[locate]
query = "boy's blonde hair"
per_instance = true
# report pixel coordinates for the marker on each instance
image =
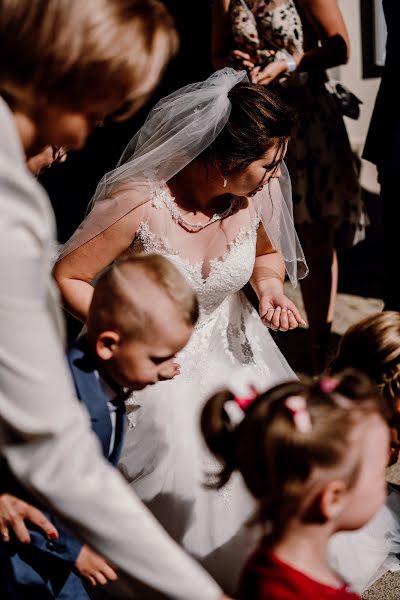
(275, 457)
(117, 302)
(373, 346)
(80, 54)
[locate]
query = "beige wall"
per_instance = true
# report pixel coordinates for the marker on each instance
(365, 89)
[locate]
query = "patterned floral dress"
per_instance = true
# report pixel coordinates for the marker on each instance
(321, 164)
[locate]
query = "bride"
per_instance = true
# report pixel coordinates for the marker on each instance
(202, 183)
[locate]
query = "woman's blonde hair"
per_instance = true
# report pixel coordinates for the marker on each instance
(373, 346)
(277, 458)
(106, 54)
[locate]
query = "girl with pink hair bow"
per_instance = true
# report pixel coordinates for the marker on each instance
(313, 456)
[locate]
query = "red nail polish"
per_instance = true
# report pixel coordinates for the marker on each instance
(53, 535)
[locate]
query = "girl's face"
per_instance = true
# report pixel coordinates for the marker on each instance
(368, 493)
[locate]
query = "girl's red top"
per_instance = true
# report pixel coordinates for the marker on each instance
(266, 577)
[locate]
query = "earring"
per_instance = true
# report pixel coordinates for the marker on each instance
(225, 181)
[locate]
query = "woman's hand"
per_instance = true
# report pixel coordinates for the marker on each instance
(14, 512)
(94, 567)
(241, 60)
(272, 71)
(278, 312)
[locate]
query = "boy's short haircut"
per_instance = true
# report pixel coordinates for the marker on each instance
(116, 303)
(83, 54)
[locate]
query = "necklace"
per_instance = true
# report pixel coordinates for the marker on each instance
(177, 217)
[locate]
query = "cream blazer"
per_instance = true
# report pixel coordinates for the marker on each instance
(44, 431)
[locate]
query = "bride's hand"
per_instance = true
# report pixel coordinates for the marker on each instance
(279, 313)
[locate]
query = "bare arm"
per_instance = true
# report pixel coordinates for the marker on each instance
(334, 49)
(75, 272)
(276, 310)
(327, 20)
(269, 268)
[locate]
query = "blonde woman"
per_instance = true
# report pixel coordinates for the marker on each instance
(65, 64)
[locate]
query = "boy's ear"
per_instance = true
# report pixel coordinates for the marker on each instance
(106, 344)
(332, 499)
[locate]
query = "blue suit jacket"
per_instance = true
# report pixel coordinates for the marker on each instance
(89, 391)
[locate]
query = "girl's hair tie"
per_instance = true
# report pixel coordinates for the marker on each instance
(301, 417)
(236, 408)
(244, 402)
(328, 384)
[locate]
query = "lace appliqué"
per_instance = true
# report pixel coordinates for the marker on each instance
(159, 196)
(162, 195)
(237, 338)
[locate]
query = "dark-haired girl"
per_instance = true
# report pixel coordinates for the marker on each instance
(313, 456)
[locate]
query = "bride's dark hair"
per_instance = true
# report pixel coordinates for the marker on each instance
(258, 121)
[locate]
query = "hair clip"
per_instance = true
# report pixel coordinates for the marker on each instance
(236, 408)
(234, 412)
(244, 402)
(301, 417)
(328, 385)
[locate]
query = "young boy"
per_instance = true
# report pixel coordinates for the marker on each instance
(142, 313)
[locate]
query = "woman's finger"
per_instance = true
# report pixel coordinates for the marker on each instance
(240, 54)
(243, 58)
(100, 578)
(109, 573)
(254, 75)
(275, 321)
(5, 534)
(284, 320)
(20, 530)
(35, 516)
(267, 316)
(293, 323)
(264, 80)
(297, 314)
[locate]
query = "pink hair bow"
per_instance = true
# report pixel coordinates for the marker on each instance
(328, 385)
(301, 416)
(244, 402)
(236, 408)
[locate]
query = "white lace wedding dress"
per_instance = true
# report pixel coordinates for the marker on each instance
(164, 457)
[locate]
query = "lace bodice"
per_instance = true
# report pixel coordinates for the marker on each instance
(225, 273)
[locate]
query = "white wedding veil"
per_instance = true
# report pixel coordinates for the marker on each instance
(176, 131)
